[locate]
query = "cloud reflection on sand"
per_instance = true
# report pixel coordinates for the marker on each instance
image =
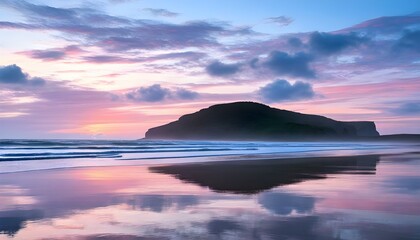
(334, 198)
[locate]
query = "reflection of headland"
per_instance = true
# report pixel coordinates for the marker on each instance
(12, 221)
(253, 176)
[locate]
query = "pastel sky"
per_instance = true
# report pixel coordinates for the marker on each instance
(114, 68)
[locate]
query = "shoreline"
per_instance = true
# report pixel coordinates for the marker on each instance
(31, 157)
(226, 160)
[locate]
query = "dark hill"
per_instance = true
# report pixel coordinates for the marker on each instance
(255, 121)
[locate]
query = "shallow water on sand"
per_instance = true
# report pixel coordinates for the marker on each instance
(352, 197)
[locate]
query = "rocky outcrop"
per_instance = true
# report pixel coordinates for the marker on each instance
(255, 121)
(365, 129)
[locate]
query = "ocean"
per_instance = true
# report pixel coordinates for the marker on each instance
(26, 155)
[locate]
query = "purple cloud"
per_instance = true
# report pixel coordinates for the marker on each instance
(153, 93)
(326, 43)
(157, 93)
(410, 40)
(13, 74)
(184, 94)
(220, 69)
(295, 42)
(296, 65)
(281, 90)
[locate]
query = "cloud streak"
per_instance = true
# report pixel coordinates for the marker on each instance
(385, 25)
(91, 27)
(281, 20)
(53, 54)
(160, 12)
(410, 108)
(47, 55)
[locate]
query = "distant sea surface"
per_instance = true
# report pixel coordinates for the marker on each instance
(137, 190)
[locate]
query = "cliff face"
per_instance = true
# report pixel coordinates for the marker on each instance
(365, 129)
(254, 121)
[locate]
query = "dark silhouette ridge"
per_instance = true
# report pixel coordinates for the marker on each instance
(253, 176)
(255, 121)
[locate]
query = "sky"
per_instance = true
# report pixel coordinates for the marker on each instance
(111, 69)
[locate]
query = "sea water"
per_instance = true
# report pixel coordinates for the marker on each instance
(26, 155)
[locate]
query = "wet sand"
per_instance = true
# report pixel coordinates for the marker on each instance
(350, 197)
